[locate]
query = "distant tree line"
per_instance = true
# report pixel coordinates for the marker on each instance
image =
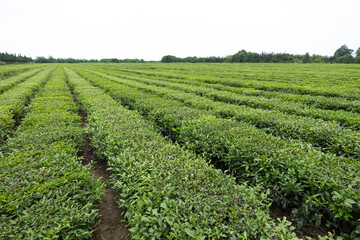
(115, 60)
(341, 55)
(7, 58)
(72, 60)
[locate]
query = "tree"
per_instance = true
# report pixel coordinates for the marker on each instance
(41, 60)
(317, 58)
(347, 58)
(342, 51)
(170, 58)
(190, 59)
(228, 58)
(306, 58)
(12, 58)
(357, 58)
(358, 52)
(241, 56)
(51, 59)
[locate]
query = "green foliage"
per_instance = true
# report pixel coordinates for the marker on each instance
(357, 52)
(51, 59)
(306, 58)
(342, 51)
(8, 83)
(170, 58)
(306, 81)
(344, 55)
(190, 60)
(330, 136)
(325, 83)
(275, 102)
(46, 193)
(13, 58)
(347, 58)
(11, 70)
(357, 57)
(13, 101)
(290, 131)
(250, 57)
(169, 192)
(297, 174)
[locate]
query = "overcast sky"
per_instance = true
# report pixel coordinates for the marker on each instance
(149, 29)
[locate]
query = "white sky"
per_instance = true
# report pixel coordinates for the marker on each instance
(151, 29)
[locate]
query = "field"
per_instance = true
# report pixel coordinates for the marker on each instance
(193, 151)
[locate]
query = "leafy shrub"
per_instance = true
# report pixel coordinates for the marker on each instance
(46, 193)
(169, 192)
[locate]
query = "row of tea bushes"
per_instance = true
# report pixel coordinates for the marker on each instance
(319, 187)
(168, 192)
(12, 70)
(329, 136)
(13, 101)
(338, 82)
(8, 83)
(46, 193)
(298, 175)
(347, 119)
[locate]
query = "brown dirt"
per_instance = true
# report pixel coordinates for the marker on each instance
(307, 230)
(111, 224)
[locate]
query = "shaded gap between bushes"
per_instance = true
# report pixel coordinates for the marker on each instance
(19, 117)
(276, 211)
(111, 224)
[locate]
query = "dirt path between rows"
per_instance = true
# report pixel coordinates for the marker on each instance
(111, 224)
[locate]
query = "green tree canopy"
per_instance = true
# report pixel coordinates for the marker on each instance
(306, 58)
(357, 58)
(170, 58)
(342, 51)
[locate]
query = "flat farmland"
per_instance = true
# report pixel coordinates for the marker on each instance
(192, 151)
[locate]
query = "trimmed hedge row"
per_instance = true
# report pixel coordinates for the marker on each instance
(45, 192)
(322, 80)
(298, 175)
(201, 87)
(329, 136)
(11, 70)
(12, 81)
(321, 187)
(168, 192)
(12, 102)
(163, 112)
(348, 119)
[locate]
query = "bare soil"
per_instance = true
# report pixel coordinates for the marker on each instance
(111, 224)
(307, 230)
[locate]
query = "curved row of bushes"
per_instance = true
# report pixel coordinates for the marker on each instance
(8, 83)
(298, 175)
(13, 101)
(322, 102)
(329, 136)
(11, 70)
(314, 80)
(347, 119)
(168, 192)
(45, 192)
